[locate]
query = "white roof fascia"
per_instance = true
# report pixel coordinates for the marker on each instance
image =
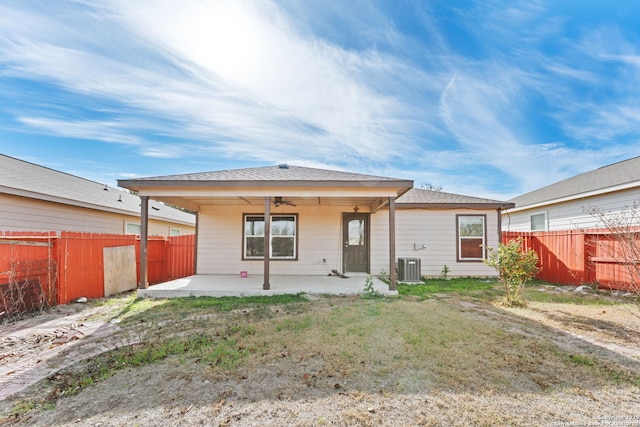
(573, 197)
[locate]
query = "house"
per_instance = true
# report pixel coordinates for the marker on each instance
(291, 220)
(565, 205)
(36, 198)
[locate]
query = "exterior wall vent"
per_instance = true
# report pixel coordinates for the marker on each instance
(409, 269)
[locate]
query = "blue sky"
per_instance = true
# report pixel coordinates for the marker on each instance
(484, 98)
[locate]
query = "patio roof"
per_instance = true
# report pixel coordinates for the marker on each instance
(300, 185)
(261, 187)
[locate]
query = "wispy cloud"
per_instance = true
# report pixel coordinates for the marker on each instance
(236, 69)
(343, 85)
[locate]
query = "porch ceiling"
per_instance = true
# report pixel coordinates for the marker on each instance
(194, 203)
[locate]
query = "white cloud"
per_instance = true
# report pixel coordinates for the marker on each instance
(271, 82)
(97, 130)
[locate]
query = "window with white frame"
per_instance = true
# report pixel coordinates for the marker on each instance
(174, 232)
(539, 222)
(471, 233)
(131, 228)
(283, 243)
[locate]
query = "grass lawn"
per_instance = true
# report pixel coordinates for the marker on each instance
(439, 354)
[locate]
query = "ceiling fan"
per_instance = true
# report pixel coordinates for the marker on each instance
(279, 201)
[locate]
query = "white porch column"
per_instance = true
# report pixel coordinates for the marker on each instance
(392, 245)
(144, 238)
(267, 240)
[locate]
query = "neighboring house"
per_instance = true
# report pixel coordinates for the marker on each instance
(565, 205)
(321, 220)
(35, 198)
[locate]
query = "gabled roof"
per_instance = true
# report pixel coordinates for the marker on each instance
(20, 178)
(618, 176)
(419, 198)
(281, 175)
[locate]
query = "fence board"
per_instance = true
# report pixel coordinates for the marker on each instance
(180, 256)
(74, 262)
(82, 263)
(27, 271)
(575, 257)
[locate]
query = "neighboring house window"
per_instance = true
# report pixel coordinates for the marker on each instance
(174, 232)
(539, 222)
(471, 237)
(131, 228)
(284, 230)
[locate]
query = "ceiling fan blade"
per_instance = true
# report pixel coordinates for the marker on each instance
(278, 200)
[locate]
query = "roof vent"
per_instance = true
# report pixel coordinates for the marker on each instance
(283, 166)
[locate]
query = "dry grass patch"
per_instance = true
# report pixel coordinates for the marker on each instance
(347, 361)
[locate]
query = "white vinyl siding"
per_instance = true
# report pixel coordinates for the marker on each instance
(436, 231)
(220, 246)
(220, 241)
(23, 214)
(571, 215)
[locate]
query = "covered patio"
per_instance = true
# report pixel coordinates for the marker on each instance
(285, 226)
(252, 285)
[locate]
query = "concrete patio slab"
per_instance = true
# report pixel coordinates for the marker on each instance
(228, 285)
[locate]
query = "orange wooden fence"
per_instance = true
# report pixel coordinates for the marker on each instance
(575, 257)
(28, 275)
(65, 267)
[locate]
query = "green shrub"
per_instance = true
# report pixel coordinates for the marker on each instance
(515, 265)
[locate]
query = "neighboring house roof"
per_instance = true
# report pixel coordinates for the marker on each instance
(281, 175)
(618, 176)
(20, 178)
(419, 198)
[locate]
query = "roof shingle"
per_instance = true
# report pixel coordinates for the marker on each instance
(18, 177)
(625, 172)
(268, 173)
(418, 197)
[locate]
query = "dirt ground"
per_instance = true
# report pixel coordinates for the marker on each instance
(296, 391)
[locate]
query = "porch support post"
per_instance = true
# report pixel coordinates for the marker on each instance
(195, 244)
(392, 245)
(144, 238)
(267, 239)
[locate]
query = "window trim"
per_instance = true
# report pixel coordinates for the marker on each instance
(127, 224)
(174, 232)
(545, 226)
(459, 257)
(271, 257)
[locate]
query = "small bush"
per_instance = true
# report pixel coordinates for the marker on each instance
(516, 266)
